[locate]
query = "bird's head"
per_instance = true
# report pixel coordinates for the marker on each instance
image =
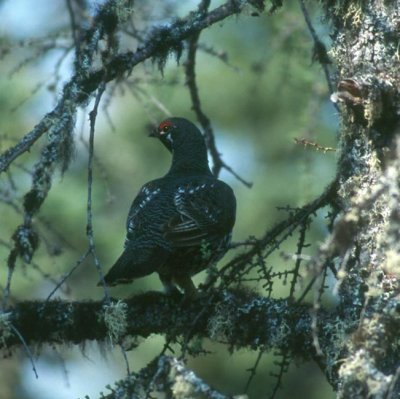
(177, 133)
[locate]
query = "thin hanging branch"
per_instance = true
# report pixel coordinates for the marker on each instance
(26, 349)
(253, 370)
(283, 368)
(89, 225)
(320, 53)
(296, 270)
(69, 274)
(190, 71)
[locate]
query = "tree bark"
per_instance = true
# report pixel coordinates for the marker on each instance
(366, 238)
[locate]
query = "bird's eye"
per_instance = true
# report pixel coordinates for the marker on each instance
(165, 127)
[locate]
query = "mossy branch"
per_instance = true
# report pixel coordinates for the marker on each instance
(168, 376)
(237, 318)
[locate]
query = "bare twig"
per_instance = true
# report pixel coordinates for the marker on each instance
(74, 29)
(283, 368)
(26, 348)
(190, 70)
(242, 263)
(124, 355)
(248, 184)
(300, 246)
(253, 371)
(306, 290)
(319, 49)
(313, 144)
(7, 288)
(68, 275)
(221, 55)
(89, 225)
(315, 309)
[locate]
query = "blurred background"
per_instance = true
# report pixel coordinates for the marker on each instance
(261, 91)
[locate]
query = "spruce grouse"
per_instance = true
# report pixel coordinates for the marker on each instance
(181, 223)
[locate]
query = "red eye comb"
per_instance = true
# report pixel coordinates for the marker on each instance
(164, 124)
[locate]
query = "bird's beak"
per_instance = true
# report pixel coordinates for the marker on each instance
(154, 133)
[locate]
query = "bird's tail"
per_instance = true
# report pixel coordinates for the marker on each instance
(130, 266)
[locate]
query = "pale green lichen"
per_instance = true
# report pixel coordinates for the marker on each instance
(181, 389)
(372, 109)
(122, 11)
(115, 319)
(354, 14)
(5, 328)
(186, 385)
(359, 369)
(221, 322)
(392, 264)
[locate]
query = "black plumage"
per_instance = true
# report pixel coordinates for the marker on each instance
(181, 223)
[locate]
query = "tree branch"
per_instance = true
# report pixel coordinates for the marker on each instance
(236, 318)
(168, 376)
(276, 235)
(159, 44)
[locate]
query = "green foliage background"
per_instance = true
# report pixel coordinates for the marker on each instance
(263, 93)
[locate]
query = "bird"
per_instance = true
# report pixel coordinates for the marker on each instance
(181, 223)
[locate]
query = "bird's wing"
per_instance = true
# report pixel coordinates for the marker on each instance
(142, 253)
(202, 210)
(138, 218)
